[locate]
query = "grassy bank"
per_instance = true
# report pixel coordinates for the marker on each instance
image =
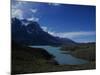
(86, 51)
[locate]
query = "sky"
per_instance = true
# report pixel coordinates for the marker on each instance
(76, 22)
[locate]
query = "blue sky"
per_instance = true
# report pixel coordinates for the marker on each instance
(76, 22)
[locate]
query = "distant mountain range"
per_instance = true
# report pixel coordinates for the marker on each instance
(30, 33)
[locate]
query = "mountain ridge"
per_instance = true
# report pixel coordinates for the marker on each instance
(30, 33)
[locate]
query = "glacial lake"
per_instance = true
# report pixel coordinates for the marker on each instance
(60, 57)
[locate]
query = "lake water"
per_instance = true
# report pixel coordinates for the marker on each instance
(60, 57)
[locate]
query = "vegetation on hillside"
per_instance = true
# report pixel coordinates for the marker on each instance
(85, 51)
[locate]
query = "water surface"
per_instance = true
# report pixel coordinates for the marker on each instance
(60, 57)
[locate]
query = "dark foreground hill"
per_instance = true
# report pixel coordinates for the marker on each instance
(26, 59)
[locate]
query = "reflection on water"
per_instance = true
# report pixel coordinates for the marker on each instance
(60, 57)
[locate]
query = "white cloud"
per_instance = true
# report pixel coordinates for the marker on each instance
(54, 4)
(45, 28)
(53, 33)
(17, 13)
(18, 4)
(74, 34)
(33, 10)
(69, 34)
(33, 19)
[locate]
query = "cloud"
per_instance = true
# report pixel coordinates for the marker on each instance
(53, 33)
(33, 10)
(45, 28)
(20, 10)
(54, 4)
(16, 10)
(33, 19)
(17, 13)
(18, 4)
(72, 34)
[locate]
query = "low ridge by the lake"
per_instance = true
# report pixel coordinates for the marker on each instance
(60, 57)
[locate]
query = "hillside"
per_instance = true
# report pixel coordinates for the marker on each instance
(30, 33)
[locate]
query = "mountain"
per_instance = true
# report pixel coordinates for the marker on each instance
(30, 33)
